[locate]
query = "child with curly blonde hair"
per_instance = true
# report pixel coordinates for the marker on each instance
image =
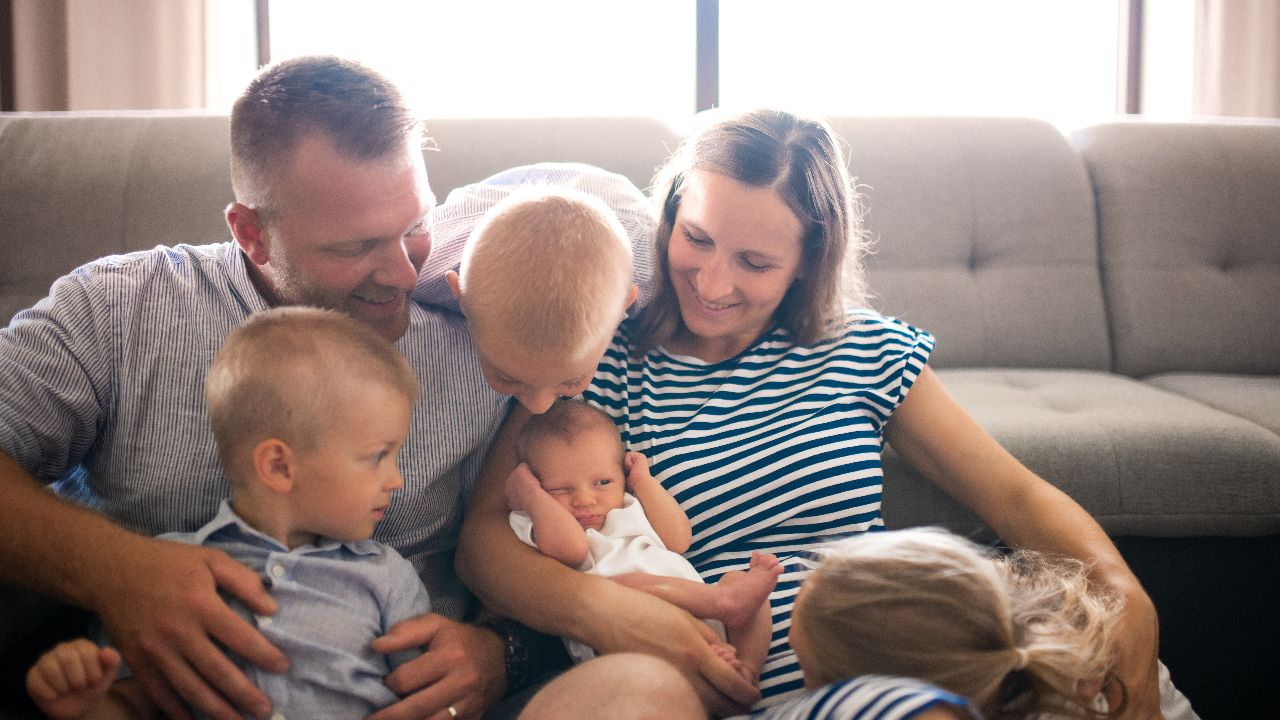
(1015, 635)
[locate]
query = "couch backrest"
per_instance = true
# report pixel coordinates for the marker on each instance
(985, 230)
(984, 234)
(1189, 231)
(74, 188)
(469, 150)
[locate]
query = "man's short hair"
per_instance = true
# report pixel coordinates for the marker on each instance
(361, 112)
(549, 269)
(285, 372)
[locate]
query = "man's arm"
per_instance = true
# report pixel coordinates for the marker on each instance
(518, 581)
(157, 600)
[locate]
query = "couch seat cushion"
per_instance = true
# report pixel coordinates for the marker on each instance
(1143, 460)
(1253, 397)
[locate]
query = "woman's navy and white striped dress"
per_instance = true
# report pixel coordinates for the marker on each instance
(869, 697)
(776, 449)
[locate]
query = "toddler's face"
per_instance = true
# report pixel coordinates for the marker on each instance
(584, 475)
(345, 484)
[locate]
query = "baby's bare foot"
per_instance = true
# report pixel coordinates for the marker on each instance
(742, 593)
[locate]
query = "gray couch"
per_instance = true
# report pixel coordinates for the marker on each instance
(1106, 304)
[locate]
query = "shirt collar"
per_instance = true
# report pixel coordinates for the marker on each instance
(227, 519)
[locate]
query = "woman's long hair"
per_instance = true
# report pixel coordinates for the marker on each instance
(802, 160)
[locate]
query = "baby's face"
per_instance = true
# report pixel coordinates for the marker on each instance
(584, 475)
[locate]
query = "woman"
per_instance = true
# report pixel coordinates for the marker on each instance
(762, 405)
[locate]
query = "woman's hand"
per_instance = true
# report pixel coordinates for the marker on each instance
(1136, 645)
(656, 627)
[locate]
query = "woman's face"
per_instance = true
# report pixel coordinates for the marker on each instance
(734, 251)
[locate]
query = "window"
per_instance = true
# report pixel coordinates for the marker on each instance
(1056, 59)
(492, 59)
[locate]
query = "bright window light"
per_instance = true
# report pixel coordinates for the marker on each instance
(1054, 59)
(494, 59)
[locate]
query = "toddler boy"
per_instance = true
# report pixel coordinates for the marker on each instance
(309, 409)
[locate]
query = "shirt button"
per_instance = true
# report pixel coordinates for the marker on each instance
(277, 716)
(264, 620)
(278, 571)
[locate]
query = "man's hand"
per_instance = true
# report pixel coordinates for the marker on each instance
(461, 667)
(159, 603)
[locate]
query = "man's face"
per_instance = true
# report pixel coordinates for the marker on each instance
(348, 235)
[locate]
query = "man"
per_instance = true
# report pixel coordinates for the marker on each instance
(100, 398)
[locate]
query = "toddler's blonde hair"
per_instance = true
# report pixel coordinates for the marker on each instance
(549, 269)
(1016, 634)
(284, 373)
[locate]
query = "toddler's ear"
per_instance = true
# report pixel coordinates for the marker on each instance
(273, 464)
(632, 295)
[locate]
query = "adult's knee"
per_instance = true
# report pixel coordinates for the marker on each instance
(622, 686)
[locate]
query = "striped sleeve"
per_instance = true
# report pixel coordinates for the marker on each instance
(870, 697)
(55, 378)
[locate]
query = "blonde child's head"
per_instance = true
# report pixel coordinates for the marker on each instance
(544, 282)
(287, 373)
(1016, 634)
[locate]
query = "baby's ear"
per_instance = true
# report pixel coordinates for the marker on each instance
(273, 463)
(455, 283)
(632, 294)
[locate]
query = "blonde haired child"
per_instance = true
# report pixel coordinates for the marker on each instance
(1018, 635)
(545, 275)
(309, 408)
(568, 499)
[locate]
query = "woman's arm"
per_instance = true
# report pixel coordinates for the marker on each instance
(660, 507)
(517, 581)
(942, 441)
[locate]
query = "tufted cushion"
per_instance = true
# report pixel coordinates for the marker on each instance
(984, 235)
(1141, 460)
(1189, 229)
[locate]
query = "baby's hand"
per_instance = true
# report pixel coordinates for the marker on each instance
(637, 467)
(70, 680)
(521, 486)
